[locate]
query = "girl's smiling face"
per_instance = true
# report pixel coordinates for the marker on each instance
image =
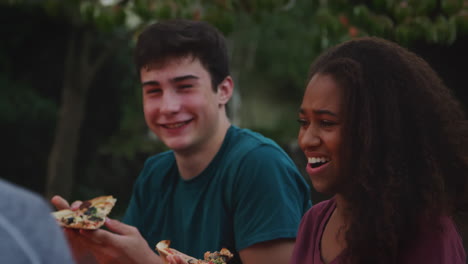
(320, 132)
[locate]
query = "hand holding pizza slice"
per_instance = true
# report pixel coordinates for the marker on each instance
(91, 214)
(221, 257)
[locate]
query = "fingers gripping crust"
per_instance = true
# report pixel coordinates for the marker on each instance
(216, 257)
(163, 249)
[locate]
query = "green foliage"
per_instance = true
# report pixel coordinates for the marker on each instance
(408, 22)
(222, 18)
(27, 120)
(451, 7)
(423, 8)
(285, 133)
(461, 19)
(19, 101)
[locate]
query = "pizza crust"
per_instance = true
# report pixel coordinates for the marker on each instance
(91, 214)
(223, 256)
(163, 249)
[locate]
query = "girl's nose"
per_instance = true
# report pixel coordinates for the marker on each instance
(309, 138)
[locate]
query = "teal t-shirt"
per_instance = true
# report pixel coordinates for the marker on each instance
(250, 192)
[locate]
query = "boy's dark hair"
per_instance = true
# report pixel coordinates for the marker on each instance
(405, 146)
(180, 38)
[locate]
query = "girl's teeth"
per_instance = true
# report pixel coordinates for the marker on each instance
(318, 159)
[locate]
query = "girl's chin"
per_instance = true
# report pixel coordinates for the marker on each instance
(323, 188)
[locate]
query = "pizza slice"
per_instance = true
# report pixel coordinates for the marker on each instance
(91, 214)
(221, 257)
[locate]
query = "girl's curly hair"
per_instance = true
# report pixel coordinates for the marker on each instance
(404, 149)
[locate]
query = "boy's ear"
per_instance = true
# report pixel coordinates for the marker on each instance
(225, 89)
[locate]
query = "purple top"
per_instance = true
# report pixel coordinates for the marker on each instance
(430, 247)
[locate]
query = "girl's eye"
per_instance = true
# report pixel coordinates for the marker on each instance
(302, 122)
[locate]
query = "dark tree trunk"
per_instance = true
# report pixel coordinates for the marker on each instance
(64, 149)
(70, 117)
(80, 71)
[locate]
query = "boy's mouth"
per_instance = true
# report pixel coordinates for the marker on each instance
(175, 125)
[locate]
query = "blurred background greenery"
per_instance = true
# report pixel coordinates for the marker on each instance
(70, 105)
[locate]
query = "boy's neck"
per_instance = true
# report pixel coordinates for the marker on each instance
(191, 164)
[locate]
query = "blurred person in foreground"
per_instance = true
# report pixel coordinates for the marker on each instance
(219, 185)
(28, 232)
(386, 138)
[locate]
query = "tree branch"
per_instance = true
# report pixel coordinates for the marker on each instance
(112, 47)
(289, 5)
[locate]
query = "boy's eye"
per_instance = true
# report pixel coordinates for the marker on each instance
(153, 90)
(184, 86)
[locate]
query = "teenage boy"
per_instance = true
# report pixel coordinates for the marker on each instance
(219, 185)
